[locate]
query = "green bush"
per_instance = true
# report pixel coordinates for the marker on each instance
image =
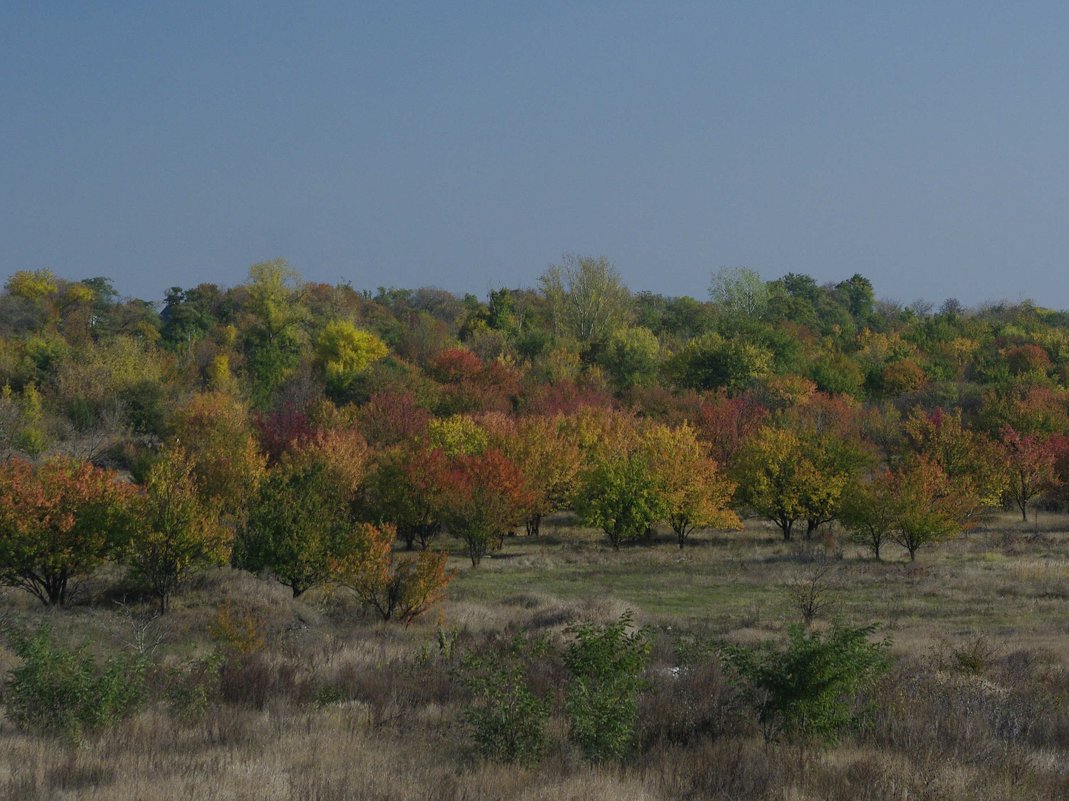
(808, 690)
(508, 719)
(607, 665)
(59, 691)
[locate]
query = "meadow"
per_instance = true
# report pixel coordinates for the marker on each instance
(314, 699)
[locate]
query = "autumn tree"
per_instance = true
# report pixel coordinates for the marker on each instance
(780, 480)
(345, 351)
(968, 459)
(177, 532)
(694, 492)
(485, 496)
(1030, 466)
(396, 587)
(58, 522)
(551, 461)
(870, 510)
(930, 507)
(406, 488)
(215, 431)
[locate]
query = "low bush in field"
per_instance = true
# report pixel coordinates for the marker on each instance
(57, 690)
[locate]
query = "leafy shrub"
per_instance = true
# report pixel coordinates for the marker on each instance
(607, 665)
(60, 691)
(808, 689)
(508, 719)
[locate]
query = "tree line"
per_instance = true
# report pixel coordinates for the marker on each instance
(323, 435)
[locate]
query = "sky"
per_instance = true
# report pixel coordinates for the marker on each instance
(469, 145)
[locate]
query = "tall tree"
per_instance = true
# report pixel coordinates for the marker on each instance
(587, 297)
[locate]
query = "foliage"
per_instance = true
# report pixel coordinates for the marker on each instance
(401, 588)
(784, 482)
(299, 524)
(63, 692)
(551, 461)
(406, 488)
(507, 718)
(58, 522)
(587, 299)
(619, 495)
(807, 690)
(215, 431)
(606, 664)
(176, 532)
(345, 351)
(931, 507)
(693, 491)
(485, 495)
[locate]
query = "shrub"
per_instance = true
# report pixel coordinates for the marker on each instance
(808, 690)
(606, 664)
(400, 588)
(507, 718)
(60, 691)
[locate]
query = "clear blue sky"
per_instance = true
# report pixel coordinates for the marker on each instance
(465, 145)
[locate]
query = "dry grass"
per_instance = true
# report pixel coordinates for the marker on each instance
(336, 706)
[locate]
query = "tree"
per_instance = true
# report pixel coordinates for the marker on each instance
(870, 510)
(606, 664)
(931, 507)
(177, 533)
(485, 496)
(587, 298)
(694, 492)
(215, 432)
(58, 522)
(299, 524)
(713, 361)
(550, 459)
(632, 357)
(739, 291)
(1030, 463)
(273, 332)
(397, 588)
(345, 351)
(968, 459)
(406, 488)
(618, 494)
(780, 481)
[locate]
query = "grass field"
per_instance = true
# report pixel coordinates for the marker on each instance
(336, 706)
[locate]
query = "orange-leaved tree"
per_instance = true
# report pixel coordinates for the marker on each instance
(485, 495)
(58, 522)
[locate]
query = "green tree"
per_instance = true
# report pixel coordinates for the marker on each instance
(177, 532)
(739, 291)
(606, 664)
(507, 718)
(619, 495)
(808, 690)
(587, 298)
(299, 524)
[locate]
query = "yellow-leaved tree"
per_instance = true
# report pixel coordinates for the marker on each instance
(694, 491)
